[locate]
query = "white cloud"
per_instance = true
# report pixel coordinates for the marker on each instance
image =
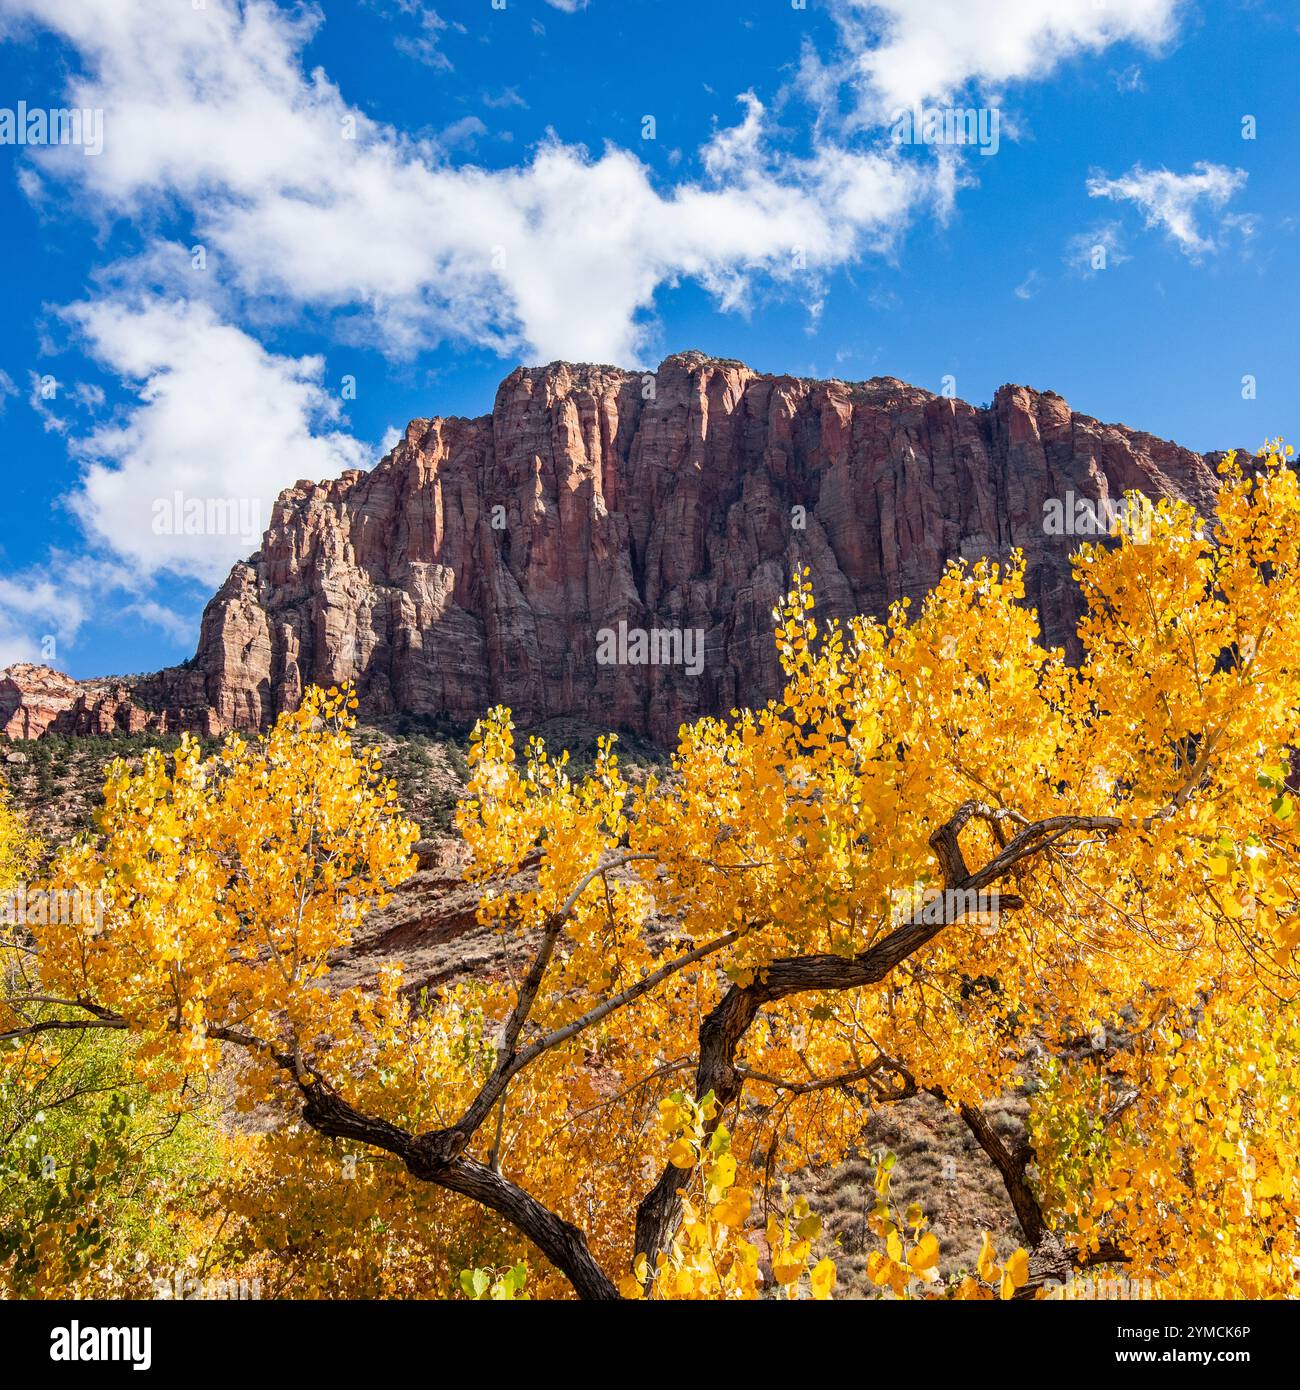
(1170, 201)
(171, 624)
(503, 100)
(44, 607)
(32, 608)
(1098, 248)
(1129, 79)
(16, 645)
(462, 132)
(559, 257)
(424, 46)
(903, 53)
(210, 113)
(220, 421)
(43, 398)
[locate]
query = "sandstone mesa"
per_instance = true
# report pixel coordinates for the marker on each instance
(477, 563)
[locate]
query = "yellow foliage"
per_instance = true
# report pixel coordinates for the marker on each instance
(915, 1273)
(1124, 843)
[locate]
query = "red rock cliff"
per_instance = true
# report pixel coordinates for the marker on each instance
(477, 563)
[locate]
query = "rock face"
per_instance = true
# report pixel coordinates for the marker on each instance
(482, 560)
(36, 700)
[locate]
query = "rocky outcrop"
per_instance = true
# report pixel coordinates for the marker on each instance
(36, 700)
(498, 560)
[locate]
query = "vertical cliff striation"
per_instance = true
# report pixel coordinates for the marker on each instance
(480, 561)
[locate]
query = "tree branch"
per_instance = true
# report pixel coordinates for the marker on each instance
(1012, 1167)
(845, 1080)
(507, 1063)
(425, 1156)
(1049, 1259)
(562, 1243)
(721, 1031)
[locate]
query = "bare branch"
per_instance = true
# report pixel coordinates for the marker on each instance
(496, 1083)
(723, 1029)
(844, 1081)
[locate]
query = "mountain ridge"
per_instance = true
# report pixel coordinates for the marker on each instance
(482, 558)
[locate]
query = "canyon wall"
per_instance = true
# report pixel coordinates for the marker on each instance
(479, 561)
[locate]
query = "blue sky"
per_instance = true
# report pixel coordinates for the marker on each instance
(418, 197)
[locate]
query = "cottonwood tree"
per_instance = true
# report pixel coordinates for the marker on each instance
(17, 846)
(946, 860)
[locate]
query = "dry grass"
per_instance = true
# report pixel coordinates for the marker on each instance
(939, 1165)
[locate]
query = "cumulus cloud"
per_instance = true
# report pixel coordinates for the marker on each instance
(177, 629)
(44, 607)
(304, 203)
(901, 53)
(184, 481)
(307, 200)
(462, 133)
(1173, 202)
(34, 609)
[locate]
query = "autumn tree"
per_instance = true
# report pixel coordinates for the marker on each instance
(947, 860)
(98, 1176)
(17, 845)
